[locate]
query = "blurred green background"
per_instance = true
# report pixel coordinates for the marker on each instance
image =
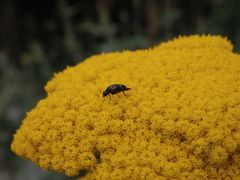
(38, 38)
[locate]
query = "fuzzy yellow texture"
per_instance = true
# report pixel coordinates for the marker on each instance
(180, 120)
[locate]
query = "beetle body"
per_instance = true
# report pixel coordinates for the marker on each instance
(114, 89)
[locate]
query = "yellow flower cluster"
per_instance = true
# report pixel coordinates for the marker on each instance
(180, 120)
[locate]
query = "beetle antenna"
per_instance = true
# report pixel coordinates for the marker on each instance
(100, 90)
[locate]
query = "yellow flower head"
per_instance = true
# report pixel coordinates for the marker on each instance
(181, 118)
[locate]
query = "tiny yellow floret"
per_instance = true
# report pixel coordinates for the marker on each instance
(180, 120)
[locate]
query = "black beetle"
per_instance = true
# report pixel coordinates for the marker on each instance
(114, 89)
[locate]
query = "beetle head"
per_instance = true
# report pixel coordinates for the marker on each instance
(105, 93)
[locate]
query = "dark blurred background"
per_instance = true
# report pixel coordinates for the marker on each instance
(38, 38)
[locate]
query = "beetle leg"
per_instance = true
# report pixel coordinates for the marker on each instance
(110, 98)
(124, 93)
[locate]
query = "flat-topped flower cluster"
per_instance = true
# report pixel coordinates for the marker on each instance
(180, 120)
